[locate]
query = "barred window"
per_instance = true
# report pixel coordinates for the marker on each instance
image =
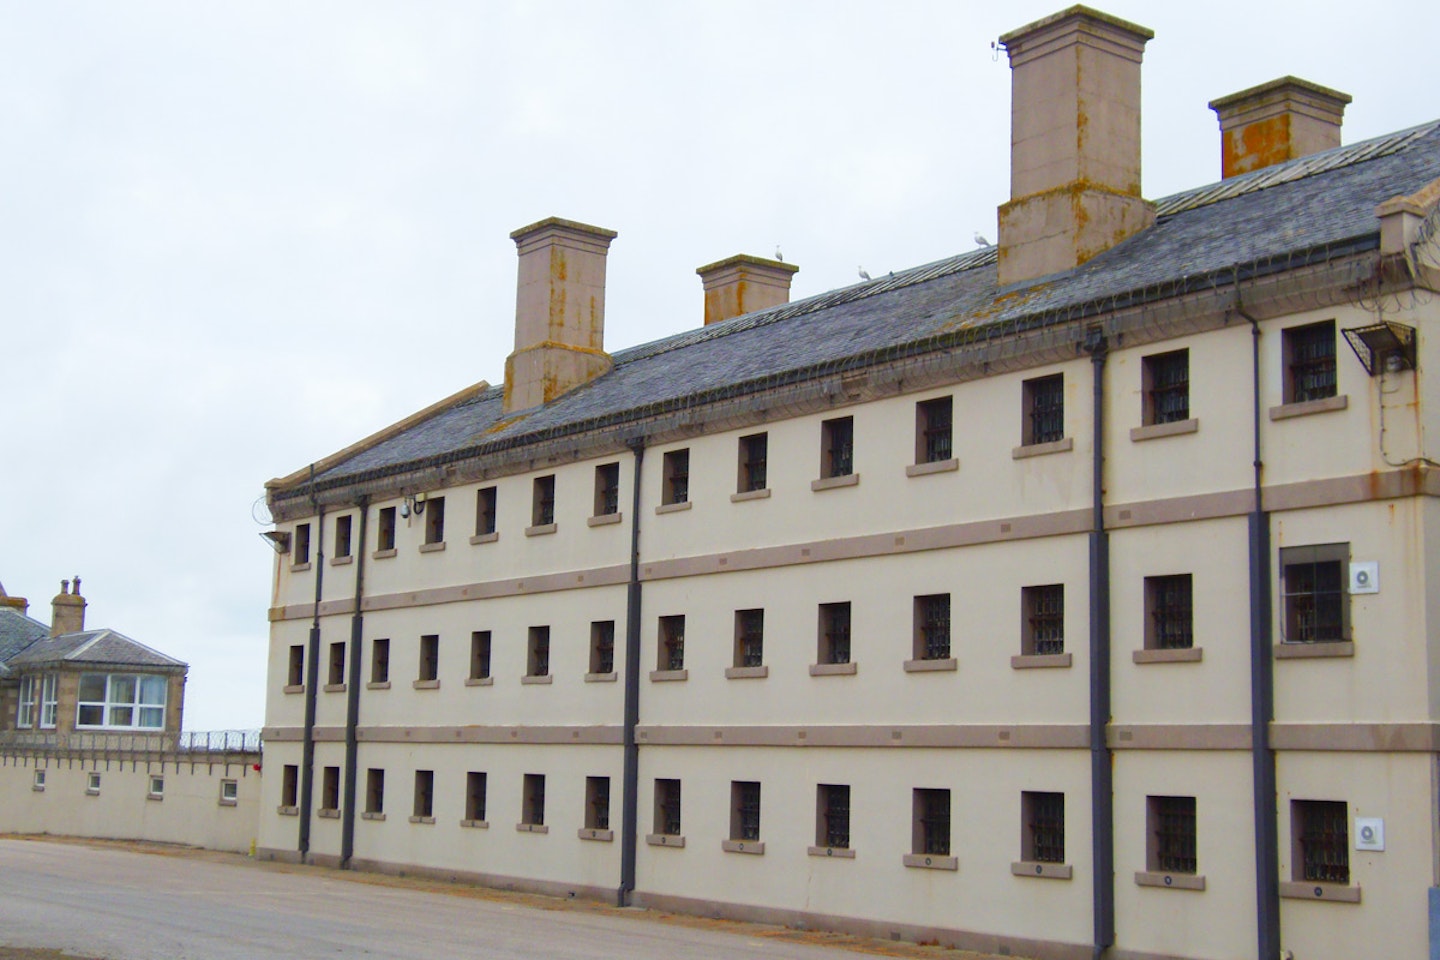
(424, 793)
(385, 529)
(532, 803)
(932, 627)
(602, 646)
(475, 796)
(676, 488)
(434, 519)
(672, 643)
(380, 660)
(607, 489)
(1044, 627)
(1172, 842)
(342, 535)
(485, 504)
(754, 451)
(1166, 383)
(538, 654)
(1321, 838)
(1313, 589)
(479, 655)
(667, 807)
(832, 822)
(1044, 815)
(931, 832)
(1044, 409)
(542, 509)
(834, 633)
(933, 430)
(749, 638)
(429, 657)
(375, 790)
(1310, 362)
(597, 803)
(1169, 613)
(329, 788)
(744, 810)
(837, 447)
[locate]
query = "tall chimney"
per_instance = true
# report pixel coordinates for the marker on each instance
(743, 284)
(559, 311)
(1074, 142)
(1277, 121)
(68, 610)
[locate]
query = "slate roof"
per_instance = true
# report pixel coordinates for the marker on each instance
(1317, 207)
(17, 632)
(93, 646)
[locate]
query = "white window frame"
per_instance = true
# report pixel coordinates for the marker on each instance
(25, 708)
(113, 709)
(49, 700)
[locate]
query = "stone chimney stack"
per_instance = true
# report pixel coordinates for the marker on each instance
(743, 284)
(14, 603)
(69, 610)
(1074, 142)
(1277, 121)
(559, 311)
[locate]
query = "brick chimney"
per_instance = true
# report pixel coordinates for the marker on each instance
(559, 311)
(1277, 121)
(1074, 142)
(69, 610)
(744, 284)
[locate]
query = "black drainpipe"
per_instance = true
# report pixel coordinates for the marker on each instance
(1102, 774)
(629, 826)
(352, 697)
(312, 679)
(1262, 695)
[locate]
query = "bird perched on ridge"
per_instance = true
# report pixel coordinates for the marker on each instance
(981, 241)
(863, 274)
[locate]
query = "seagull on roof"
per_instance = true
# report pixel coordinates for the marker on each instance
(863, 274)
(981, 241)
(778, 255)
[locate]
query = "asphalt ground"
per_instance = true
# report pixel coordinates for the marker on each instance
(112, 901)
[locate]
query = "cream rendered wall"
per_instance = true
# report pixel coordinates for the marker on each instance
(985, 785)
(984, 584)
(277, 832)
(190, 813)
(1397, 788)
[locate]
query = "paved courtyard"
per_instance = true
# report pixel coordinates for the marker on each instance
(117, 903)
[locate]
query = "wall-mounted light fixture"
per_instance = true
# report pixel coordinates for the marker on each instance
(1385, 346)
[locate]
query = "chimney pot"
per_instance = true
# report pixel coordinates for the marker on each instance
(68, 610)
(559, 311)
(1277, 121)
(1074, 142)
(743, 284)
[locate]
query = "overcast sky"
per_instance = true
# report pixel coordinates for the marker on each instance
(236, 237)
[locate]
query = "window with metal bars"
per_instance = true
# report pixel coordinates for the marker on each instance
(1169, 613)
(475, 795)
(385, 529)
(832, 826)
(380, 660)
(744, 810)
(672, 643)
(754, 450)
(602, 646)
(479, 654)
(543, 508)
(424, 793)
(1310, 362)
(330, 788)
(343, 526)
(533, 800)
(1044, 815)
(374, 790)
(289, 784)
(676, 488)
(749, 638)
(597, 803)
(933, 430)
(1314, 593)
(667, 807)
(300, 552)
(607, 489)
(834, 633)
(294, 677)
(837, 447)
(435, 520)
(931, 833)
(337, 664)
(538, 659)
(1044, 619)
(1172, 840)
(1321, 831)
(1167, 387)
(429, 657)
(485, 503)
(932, 627)
(1044, 409)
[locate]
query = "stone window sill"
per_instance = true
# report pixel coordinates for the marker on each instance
(665, 840)
(475, 824)
(341, 561)
(425, 684)
(747, 673)
(95, 793)
(373, 815)
(1043, 449)
(1180, 655)
(600, 677)
(334, 688)
(282, 810)
(432, 547)
(1310, 651)
(1155, 431)
(384, 554)
(534, 680)
(931, 861)
(604, 520)
(834, 669)
(479, 681)
(750, 495)
(665, 676)
(37, 787)
(1043, 871)
(158, 797)
(378, 685)
(324, 813)
(839, 853)
(299, 567)
(936, 466)
(531, 828)
(756, 847)
(223, 803)
(1304, 409)
(1034, 661)
(480, 538)
(1332, 893)
(594, 833)
(673, 507)
(422, 819)
(293, 688)
(541, 529)
(931, 666)
(834, 483)
(1169, 881)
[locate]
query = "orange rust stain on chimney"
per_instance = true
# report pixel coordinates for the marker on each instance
(1257, 145)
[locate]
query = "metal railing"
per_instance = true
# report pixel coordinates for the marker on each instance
(203, 746)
